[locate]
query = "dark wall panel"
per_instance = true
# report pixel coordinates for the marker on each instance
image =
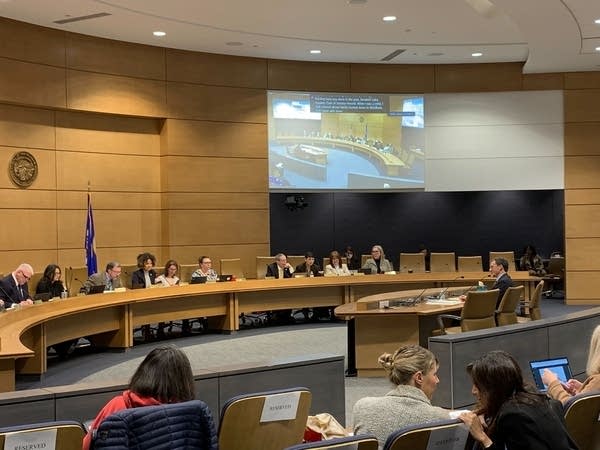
(469, 223)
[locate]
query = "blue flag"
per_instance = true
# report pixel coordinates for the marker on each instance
(90, 240)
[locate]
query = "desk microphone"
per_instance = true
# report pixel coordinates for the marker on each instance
(82, 288)
(476, 284)
(442, 294)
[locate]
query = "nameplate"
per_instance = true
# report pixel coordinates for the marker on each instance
(451, 438)
(280, 407)
(31, 440)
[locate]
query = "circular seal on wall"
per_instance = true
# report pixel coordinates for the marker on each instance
(23, 169)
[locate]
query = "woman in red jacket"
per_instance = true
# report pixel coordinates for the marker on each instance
(164, 376)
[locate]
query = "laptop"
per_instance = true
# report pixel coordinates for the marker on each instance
(198, 280)
(96, 289)
(560, 366)
(225, 277)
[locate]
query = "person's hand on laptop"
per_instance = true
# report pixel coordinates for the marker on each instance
(548, 376)
(573, 386)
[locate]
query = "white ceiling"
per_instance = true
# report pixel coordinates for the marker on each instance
(548, 35)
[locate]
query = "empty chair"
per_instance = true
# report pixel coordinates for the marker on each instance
(186, 271)
(533, 305)
(412, 262)
(232, 267)
(478, 313)
(581, 417)
(443, 262)
(470, 264)
(509, 256)
(69, 435)
(555, 277)
(74, 277)
(265, 420)
(261, 265)
(507, 310)
(360, 442)
(126, 273)
(173, 426)
(363, 259)
(447, 434)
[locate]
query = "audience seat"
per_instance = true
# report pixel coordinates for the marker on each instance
(174, 426)
(452, 435)
(470, 264)
(360, 442)
(241, 426)
(414, 262)
(232, 267)
(507, 310)
(443, 262)
(74, 277)
(261, 265)
(69, 434)
(581, 417)
(533, 305)
(509, 256)
(477, 313)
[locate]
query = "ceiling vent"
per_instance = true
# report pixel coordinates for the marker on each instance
(393, 54)
(80, 18)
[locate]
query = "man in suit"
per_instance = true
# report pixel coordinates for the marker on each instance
(13, 288)
(281, 268)
(499, 269)
(110, 279)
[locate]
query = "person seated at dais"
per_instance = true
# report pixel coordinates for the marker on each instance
(413, 371)
(335, 266)
(309, 266)
(169, 276)
(14, 288)
(351, 259)
(50, 283)
(281, 268)
(110, 279)
(532, 262)
(377, 262)
(145, 276)
(205, 269)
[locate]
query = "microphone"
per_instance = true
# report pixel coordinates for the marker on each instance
(476, 284)
(442, 294)
(82, 288)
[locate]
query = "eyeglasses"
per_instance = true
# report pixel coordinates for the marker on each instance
(25, 276)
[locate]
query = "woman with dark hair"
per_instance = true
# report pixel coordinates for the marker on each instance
(145, 276)
(164, 376)
(513, 415)
(50, 282)
(531, 262)
(335, 266)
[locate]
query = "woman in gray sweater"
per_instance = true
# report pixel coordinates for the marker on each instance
(413, 369)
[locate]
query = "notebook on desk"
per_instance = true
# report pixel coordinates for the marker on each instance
(560, 366)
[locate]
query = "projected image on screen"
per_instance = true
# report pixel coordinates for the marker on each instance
(330, 141)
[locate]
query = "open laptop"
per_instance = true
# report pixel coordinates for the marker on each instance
(198, 280)
(560, 366)
(96, 289)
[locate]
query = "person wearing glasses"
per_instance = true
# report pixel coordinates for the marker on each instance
(111, 279)
(377, 262)
(13, 288)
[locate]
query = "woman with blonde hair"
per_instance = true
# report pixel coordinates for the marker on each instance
(564, 392)
(413, 371)
(377, 262)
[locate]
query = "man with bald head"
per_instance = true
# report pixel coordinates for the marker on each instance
(13, 288)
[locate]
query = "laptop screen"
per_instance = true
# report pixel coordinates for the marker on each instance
(560, 366)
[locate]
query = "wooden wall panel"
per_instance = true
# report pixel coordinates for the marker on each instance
(108, 200)
(26, 127)
(216, 70)
(12, 198)
(25, 42)
(99, 133)
(308, 76)
(582, 172)
(582, 105)
(115, 94)
(405, 78)
(188, 174)
(581, 287)
(582, 221)
(478, 77)
(75, 257)
(107, 56)
(542, 81)
(223, 139)
(28, 229)
(46, 178)
(38, 259)
(579, 251)
(582, 196)
(32, 84)
(582, 138)
(191, 101)
(216, 200)
(582, 80)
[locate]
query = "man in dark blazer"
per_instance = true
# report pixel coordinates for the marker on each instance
(13, 288)
(499, 269)
(280, 268)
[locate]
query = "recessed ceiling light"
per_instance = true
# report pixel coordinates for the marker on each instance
(389, 18)
(315, 52)
(476, 54)
(597, 21)
(159, 33)
(598, 49)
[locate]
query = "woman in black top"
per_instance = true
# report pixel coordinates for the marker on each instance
(50, 282)
(510, 415)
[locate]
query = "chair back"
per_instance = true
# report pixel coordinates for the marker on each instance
(126, 273)
(74, 277)
(360, 442)
(581, 418)
(265, 420)
(412, 262)
(535, 312)
(232, 267)
(65, 435)
(447, 434)
(363, 259)
(33, 282)
(470, 264)
(261, 266)
(556, 266)
(186, 271)
(443, 262)
(479, 309)
(507, 310)
(176, 426)
(509, 256)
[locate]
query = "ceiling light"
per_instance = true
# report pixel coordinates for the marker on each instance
(598, 49)
(389, 18)
(159, 33)
(476, 54)
(597, 21)
(316, 52)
